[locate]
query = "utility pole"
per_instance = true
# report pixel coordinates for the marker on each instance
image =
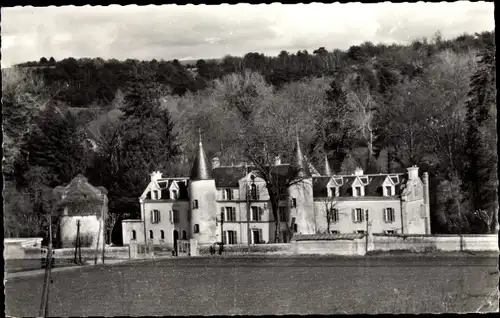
(221, 232)
(101, 224)
(103, 228)
(44, 306)
(77, 240)
(248, 208)
(367, 229)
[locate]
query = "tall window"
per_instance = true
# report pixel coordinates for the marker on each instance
(162, 234)
(334, 215)
(282, 213)
(195, 204)
(294, 202)
(389, 215)
(155, 216)
(175, 216)
(229, 237)
(230, 214)
(358, 215)
(254, 195)
(196, 228)
(256, 213)
(150, 234)
(134, 235)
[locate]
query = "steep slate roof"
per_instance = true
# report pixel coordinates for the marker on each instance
(228, 177)
(165, 186)
(300, 161)
(319, 186)
(200, 169)
(373, 188)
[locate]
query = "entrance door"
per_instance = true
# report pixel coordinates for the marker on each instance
(256, 236)
(176, 237)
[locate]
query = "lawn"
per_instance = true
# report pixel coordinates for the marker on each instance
(255, 286)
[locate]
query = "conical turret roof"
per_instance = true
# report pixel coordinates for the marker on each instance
(200, 169)
(300, 162)
(327, 170)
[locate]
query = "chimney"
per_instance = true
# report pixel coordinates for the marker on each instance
(155, 175)
(215, 162)
(277, 160)
(358, 171)
(412, 173)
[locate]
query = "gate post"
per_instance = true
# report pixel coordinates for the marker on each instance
(193, 247)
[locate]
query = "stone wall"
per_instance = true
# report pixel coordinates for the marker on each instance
(388, 243)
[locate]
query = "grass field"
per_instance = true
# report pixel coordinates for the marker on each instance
(255, 286)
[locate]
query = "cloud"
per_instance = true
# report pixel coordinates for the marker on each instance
(170, 31)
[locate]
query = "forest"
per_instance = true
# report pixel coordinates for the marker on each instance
(430, 103)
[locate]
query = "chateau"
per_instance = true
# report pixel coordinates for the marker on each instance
(192, 207)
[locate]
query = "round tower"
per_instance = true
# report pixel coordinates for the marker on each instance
(301, 195)
(202, 193)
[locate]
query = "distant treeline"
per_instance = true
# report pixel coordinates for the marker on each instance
(84, 82)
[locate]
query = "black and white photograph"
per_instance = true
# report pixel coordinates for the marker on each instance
(250, 159)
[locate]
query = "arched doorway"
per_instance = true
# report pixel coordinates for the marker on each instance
(184, 235)
(176, 237)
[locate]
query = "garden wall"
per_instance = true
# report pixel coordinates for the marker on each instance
(357, 245)
(243, 249)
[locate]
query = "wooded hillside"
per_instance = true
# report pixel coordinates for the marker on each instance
(431, 103)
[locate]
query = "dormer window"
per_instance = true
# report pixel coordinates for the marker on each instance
(388, 191)
(175, 194)
(394, 179)
(253, 193)
(333, 192)
(364, 180)
(155, 195)
(227, 194)
(357, 191)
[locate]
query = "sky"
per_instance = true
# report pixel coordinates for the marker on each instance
(193, 32)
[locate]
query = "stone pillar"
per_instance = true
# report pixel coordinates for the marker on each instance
(425, 180)
(193, 247)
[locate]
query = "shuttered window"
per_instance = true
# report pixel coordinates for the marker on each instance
(389, 215)
(358, 215)
(155, 216)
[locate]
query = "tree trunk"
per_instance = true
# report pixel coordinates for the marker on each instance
(277, 221)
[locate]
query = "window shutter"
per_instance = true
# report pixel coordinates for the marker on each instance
(223, 194)
(222, 214)
(235, 235)
(233, 194)
(224, 237)
(170, 216)
(260, 235)
(257, 192)
(385, 215)
(152, 216)
(354, 215)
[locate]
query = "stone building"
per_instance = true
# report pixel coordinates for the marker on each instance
(191, 207)
(82, 202)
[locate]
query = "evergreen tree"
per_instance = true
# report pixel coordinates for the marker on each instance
(481, 173)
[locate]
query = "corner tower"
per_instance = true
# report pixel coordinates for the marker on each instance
(203, 194)
(301, 193)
